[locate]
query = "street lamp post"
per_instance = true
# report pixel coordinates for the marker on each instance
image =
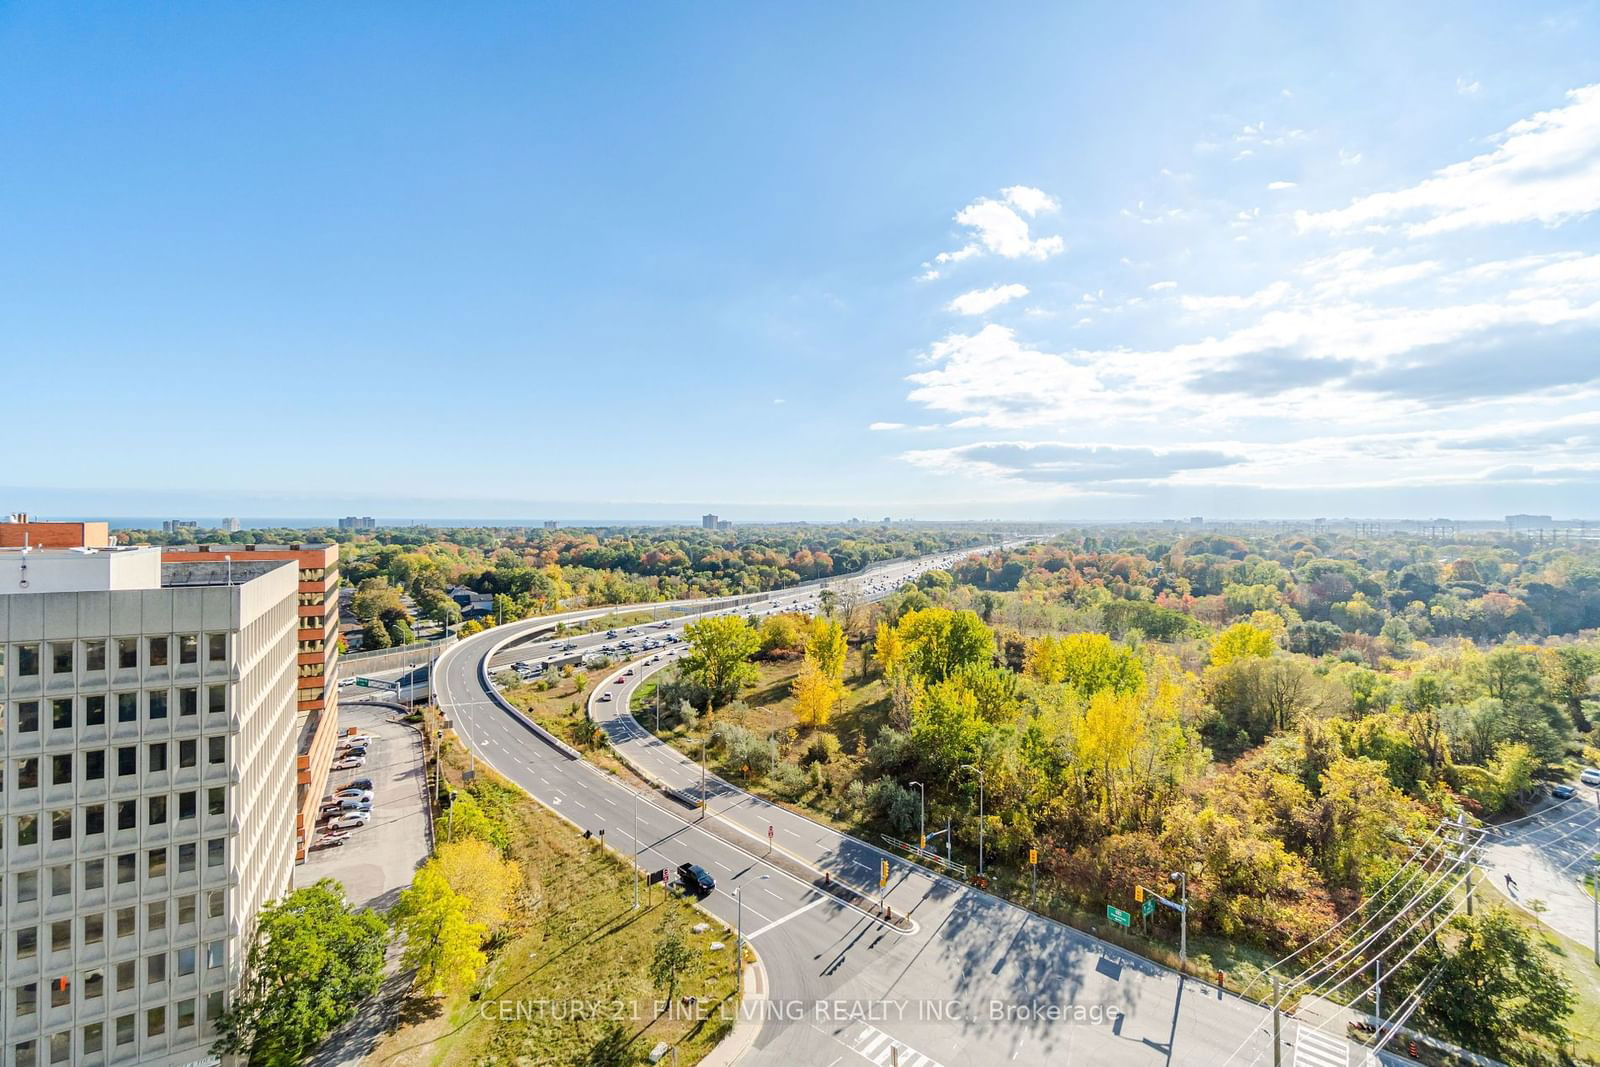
(1183, 918)
(738, 942)
(703, 741)
(979, 769)
(635, 850)
(922, 816)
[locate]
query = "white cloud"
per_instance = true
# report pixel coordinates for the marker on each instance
(1349, 157)
(982, 301)
(1468, 87)
(1157, 287)
(779, 400)
(1275, 186)
(999, 228)
(1546, 169)
(887, 426)
(1272, 294)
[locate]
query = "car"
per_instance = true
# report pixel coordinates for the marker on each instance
(350, 763)
(1564, 792)
(353, 794)
(618, 680)
(351, 742)
(611, 633)
(630, 630)
(696, 879)
(359, 783)
(351, 820)
(328, 842)
(605, 697)
(627, 674)
(356, 804)
(1590, 776)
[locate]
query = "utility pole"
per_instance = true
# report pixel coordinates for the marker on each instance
(1377, 990)
(1277, 1023)
(1182, 878)
(703, 741)
(1595, 892)
(738, 942)
(635, 850)
(980, 816)
(922, 815)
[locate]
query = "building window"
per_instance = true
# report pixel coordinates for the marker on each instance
(127, 868)
(155, 1020)
(156, 812)
(61, 657)
(127, 761)
(188, 701)
(94, 655)
(186, 908)
(214, 900)
(186, 806)
(27, 830)
(94, 986)
(127, 707)
(27, 943)
(188, 753)
(28, 717)
(61, 1043)
(61, 825)
(185, 961)
(27, 1054)
(188, 648)
(94, 764)
(94, 710)
(156, 863)
(216, 800)
(216, 699)
(213, 955)
(214, 852)
(94, 1035)
(216, 647)
(127, 926)
(61, 713)
(61, 935)
(186, 858)
(158, 756)
(155, 916)
(61, 769)
(27, 999)
(124, 1029)
(61, 880)
(94, 820)
(216, 749)
(156, 701)
(94, 874)
(157, 652)
(155, 968)
(28, 772)
(127, 814)
(27, 887)
(94, 929)
(127, 653)
(27, 661)
(186, 1007)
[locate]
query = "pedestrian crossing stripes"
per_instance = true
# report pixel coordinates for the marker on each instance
(1312, 1049)
(875, 1045)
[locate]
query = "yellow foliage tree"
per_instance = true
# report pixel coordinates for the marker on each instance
(442, 945)
(1240, 640)
(890, 650)
(475, 870)
(826, 647)
(816, 695)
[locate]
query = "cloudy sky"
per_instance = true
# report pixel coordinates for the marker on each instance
(1035, 262)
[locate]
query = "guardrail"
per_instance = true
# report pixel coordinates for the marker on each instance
(928, 855)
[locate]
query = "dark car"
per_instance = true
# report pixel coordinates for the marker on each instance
(696, 879)
(1563, 792)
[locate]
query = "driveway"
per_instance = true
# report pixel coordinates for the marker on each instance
(379, 860)
(1545, 856)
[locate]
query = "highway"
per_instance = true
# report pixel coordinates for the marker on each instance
(974, 979)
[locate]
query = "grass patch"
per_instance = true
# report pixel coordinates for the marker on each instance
(575, 938)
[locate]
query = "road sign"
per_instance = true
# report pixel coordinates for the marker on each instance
(1118, 916)
(1033, 857)
(769, 831)
(363, 683)
(1147, 909)
(883, 873)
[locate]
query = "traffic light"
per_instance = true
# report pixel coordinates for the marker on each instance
(883, 873)
(1033, 857)
(1138, 893)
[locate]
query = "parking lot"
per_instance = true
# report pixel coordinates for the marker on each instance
(378, 860)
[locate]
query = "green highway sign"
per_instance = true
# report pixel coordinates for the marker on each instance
(1118, 916)
(1149, 909)
(363, 682)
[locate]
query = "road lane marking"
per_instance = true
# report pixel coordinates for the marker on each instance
(780, 921)
(878, 1047)
(1313, 1049)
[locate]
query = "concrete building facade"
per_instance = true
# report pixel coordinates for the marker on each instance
(317, 698)
(147, 732)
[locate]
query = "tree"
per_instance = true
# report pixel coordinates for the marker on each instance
(1568, 670)
(1087, 662)
(400, 632)
(1241, 639)
(826, 647)
(781, 634)
(466, 818)
(816, 695)
(1496, 987)
(719, 655)
(310, 964)
(442, 945)
(488, 883)
(375, 598)
(940, 642)
(673, 955)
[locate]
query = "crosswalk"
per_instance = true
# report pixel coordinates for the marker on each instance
(1313, 1049)
(875, 1045)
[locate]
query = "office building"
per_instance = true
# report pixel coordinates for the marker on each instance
(317, 656)
(179, 525)
(230, 525)
(148, 802)
(550, 524)
(21, 530)
(355, 522)
(708, 522)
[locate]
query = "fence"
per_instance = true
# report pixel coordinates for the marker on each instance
(388, 659)
(928, 856)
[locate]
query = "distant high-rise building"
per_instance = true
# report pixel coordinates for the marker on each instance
(708, 522)
(230, 525)
(1197, 520)
(179, 525)
(1529, 522)
(149, 800)
(354, 522)
(550, 524)
(316, 661)
(20, 530)
(887, 520)
(724, 524)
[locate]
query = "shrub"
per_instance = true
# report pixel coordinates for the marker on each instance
(789, 780)
(822, 749)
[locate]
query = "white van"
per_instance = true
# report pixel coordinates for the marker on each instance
(1590, 776)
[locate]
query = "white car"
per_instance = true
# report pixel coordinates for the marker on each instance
(350, 763)
(353, 794)
(605, 697)
(355, 739)
(1590, 776)
(353, 820)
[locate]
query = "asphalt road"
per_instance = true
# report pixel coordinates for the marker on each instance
(1545, 857)
(976, 980)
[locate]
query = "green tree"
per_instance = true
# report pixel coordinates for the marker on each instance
(672, 957)
(1497, 988)
(1241, 639)
(1087, 662)
(310, 964)
(719, 655)
(442, 944)
(466, 818)
(939, 642)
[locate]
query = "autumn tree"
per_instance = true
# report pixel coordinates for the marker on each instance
(474, 869)
(719, 655)
(441, 944)
(1241, 639)
(1087, 662)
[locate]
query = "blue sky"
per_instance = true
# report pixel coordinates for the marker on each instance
(934, 260)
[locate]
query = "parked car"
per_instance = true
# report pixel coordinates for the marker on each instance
(1590, 776)
(352, 820)
(328, 842)
(356, 804)
(356, 739)
(1564, 792)
(696, 879)
(359, 783)
(350, 763)
(346, 794)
